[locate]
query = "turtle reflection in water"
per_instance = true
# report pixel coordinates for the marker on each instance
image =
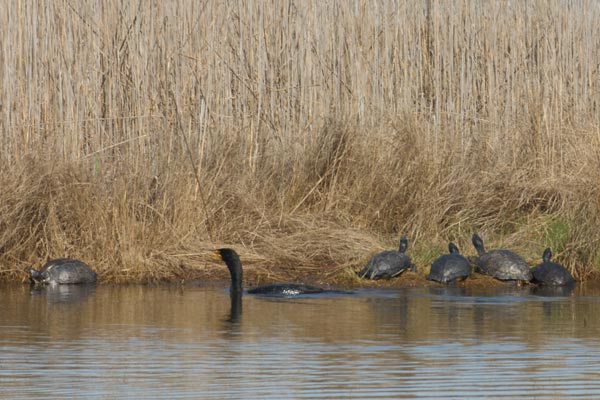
(63, 271)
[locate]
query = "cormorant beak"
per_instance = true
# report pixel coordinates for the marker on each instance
(217, 254)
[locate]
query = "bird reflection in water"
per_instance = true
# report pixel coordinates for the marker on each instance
(235, 313)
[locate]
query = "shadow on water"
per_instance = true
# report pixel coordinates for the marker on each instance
(414, 314)
(235, 311)
(234, 316)
(553, 291)
(232, 323)
(428, 342)
(63, 293)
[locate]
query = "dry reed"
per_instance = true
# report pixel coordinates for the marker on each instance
(307, 135)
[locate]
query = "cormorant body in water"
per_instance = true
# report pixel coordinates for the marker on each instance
(232, 260)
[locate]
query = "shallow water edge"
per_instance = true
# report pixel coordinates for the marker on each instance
(177, 341)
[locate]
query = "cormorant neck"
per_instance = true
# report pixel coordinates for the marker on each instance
(235, 270)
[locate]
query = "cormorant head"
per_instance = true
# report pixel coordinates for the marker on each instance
(227, 255)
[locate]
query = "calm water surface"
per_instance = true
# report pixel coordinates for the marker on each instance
(192, 342)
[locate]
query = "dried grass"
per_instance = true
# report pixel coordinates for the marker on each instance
(305, 135)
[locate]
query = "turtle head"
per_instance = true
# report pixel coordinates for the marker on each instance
(35, 276)
(452, 248)
(547, 255)
(478, 243)
(403, 244)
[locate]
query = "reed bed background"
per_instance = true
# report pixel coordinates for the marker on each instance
(138, 136)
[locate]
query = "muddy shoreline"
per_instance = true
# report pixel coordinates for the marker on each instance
(345, 280)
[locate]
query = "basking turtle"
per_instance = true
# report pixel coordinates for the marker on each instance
(388, 264)
(450, 268)
(62, 271)
(501, 264)
(551, 273)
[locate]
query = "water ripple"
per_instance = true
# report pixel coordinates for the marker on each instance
(403, 349)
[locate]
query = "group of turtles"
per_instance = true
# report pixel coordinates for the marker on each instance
(449, 268)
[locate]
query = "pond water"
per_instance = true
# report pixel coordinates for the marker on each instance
(193, 342)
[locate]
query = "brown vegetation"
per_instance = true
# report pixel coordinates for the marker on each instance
(307, 135)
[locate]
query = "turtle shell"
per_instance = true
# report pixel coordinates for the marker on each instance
(63, 271)
(550, 273)
(501, 264)
(387, 264)
(450, 268)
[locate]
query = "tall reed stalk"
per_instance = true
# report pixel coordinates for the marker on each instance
(138, 136)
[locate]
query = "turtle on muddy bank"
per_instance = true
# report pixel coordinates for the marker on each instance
(63, 271)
